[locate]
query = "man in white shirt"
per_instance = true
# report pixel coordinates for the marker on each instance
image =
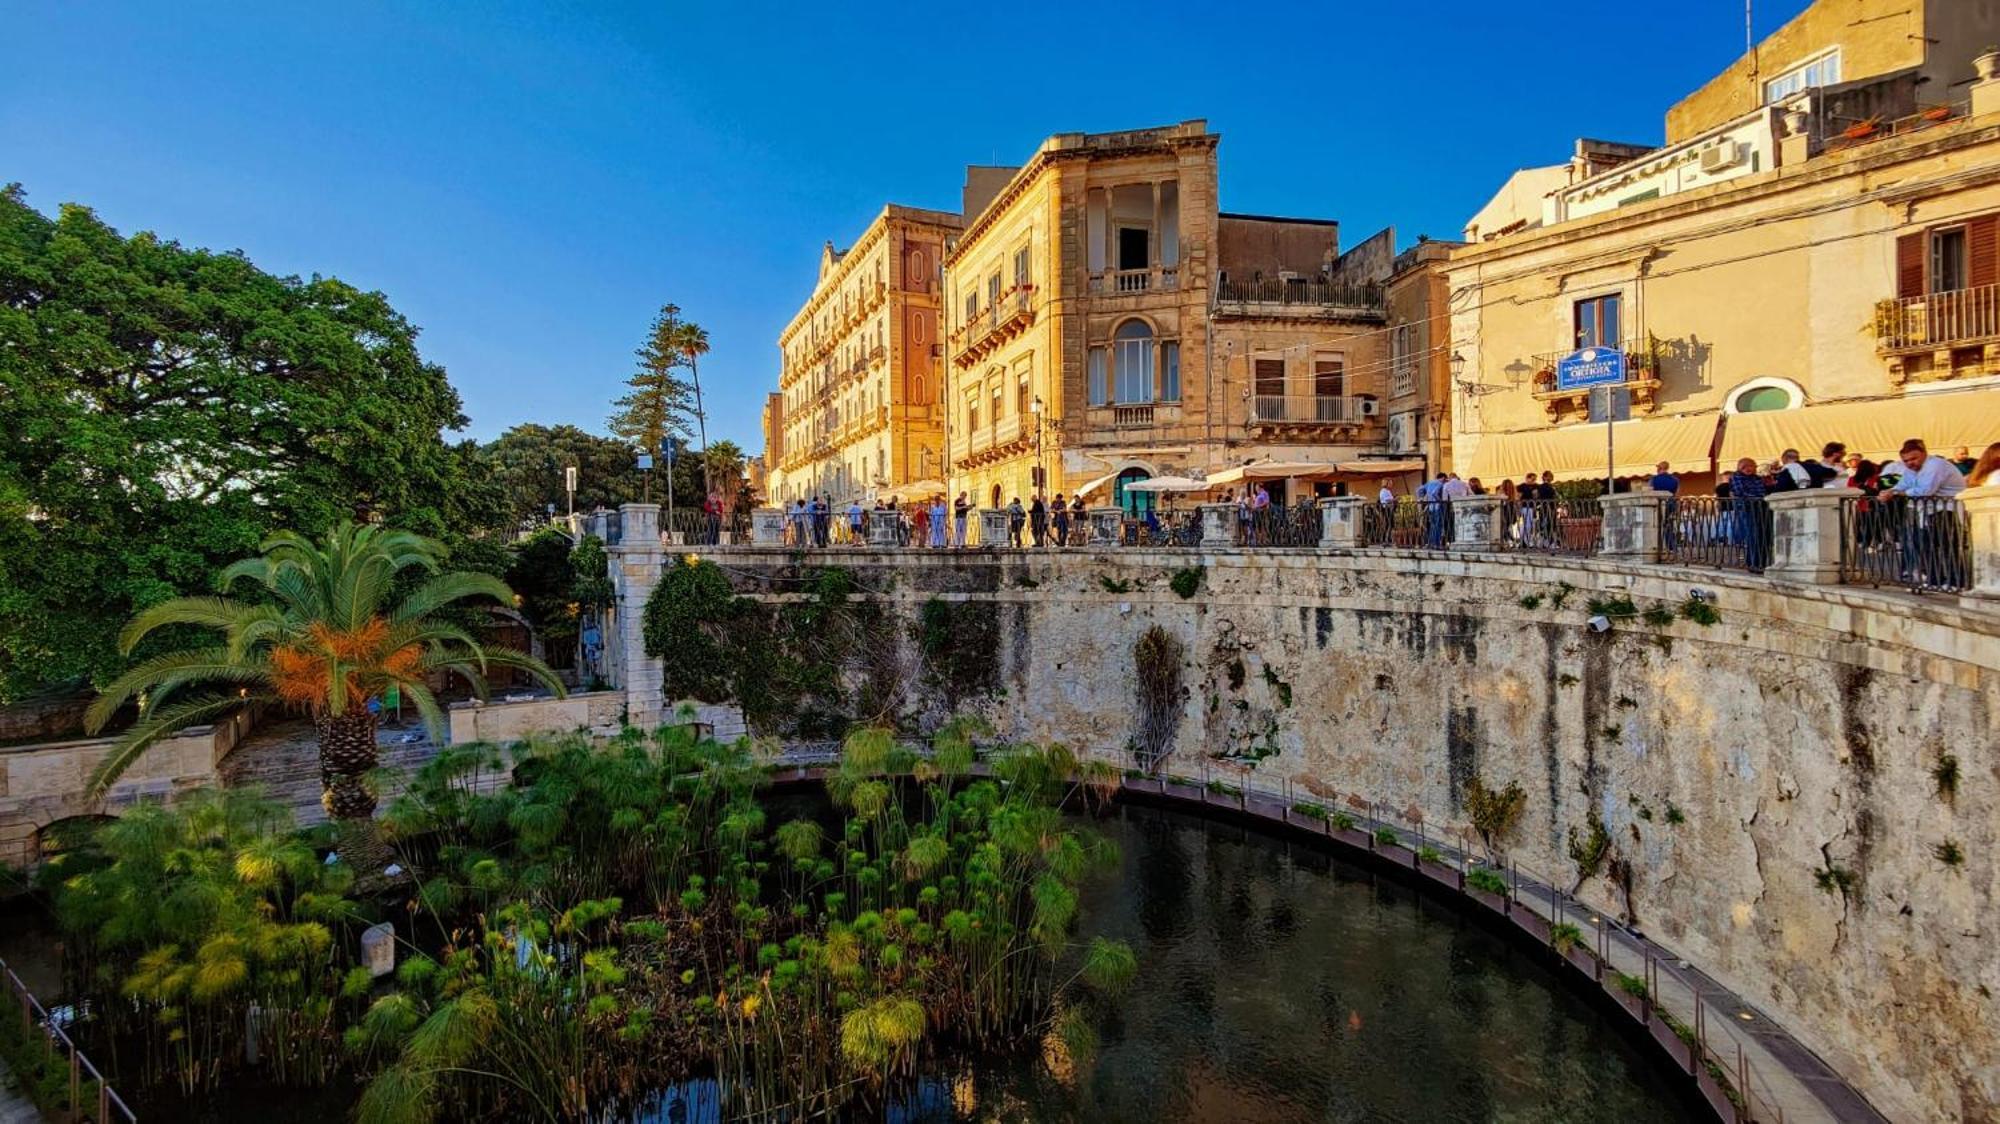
(1456, 489)
(1385, 497)
(1933, 543)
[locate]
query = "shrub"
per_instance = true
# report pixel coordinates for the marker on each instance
(1309, 809)
(1565, 937)
(1386, 836)
(1341, 821)
(1834, 878)
(1487, 879)
(1948, 853)
(1531, 601)
(1494, 812)
(1632, 986)
(1429, 855)
(1659, 616)
(1700, 612)
(1186, 582)
(1619, 606)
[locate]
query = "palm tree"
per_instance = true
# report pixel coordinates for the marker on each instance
(691, 340)
(332, 634)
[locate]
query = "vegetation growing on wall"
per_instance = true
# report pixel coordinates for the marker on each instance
(1186, 582)
(1588, 851)
(960, 643)
(1157, 659)
(1494, 812)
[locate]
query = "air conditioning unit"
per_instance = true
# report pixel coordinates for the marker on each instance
(1720, 156)
(1370, 407)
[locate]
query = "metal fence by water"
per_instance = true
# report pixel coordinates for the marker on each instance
(1716, 531)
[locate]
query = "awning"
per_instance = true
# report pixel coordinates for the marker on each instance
(1380, 468)
(1875, 429)
(1169, 484)
(1097, 483)
(915, 490)
(1270, 470)
(1576, 452)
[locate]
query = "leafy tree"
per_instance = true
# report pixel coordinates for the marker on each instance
(526, 465)
(329, 638)
(544, 582)
(660, 402)
(166, 408)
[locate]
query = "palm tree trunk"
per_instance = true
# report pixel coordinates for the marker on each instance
(701, 426)
(346, 756)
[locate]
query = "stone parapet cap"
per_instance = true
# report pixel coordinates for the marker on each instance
(1620, 499)
(1983, 498)
(1810, 497)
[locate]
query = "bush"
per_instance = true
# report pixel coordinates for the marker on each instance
(1429, 855)
(1632, 986)
(1564, 937)
(1309, 809)
(1186, 582)
(1341, 821)
(1487, 879)
(1386, 836)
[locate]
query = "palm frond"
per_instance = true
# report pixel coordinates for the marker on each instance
(155, 725)
(148, 675)
(208, 612)
(444, 589)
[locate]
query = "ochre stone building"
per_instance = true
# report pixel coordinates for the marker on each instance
(1814, 256)
(856, 411)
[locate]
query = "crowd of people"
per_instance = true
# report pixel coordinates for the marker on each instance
(933, 524)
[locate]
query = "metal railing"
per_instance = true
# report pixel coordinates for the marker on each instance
(108, 1107)
(1408, 523)
(1938, 319)
(695, 527)
(1731, 534)
(1298, 290)
(1552, 526)
(1306, 408)
(1641, 364)
(1279, 526)
(1164, 528)
(1920, 544)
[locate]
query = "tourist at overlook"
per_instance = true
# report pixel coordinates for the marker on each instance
(960, 507)
(1750, 521)
(1664, 480)
(801, 524)
(854, 520)
(1931, 553)
(940, 530)
(1961, 459)
(1076, 515)
(1062, 521)
(1038, 520)
(1985, 468)
(1017, 517)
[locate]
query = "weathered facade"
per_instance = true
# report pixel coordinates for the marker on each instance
(858, 394)
(1108, 323)
(1417, 397)
(1774, 267)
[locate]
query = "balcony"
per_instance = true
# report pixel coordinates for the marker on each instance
(1938, 325)
(1333, 416)
(1642, 381)
(1298, 296)
(1002, 321)
(1007, 430)
(1132, 417)
(1129, 281)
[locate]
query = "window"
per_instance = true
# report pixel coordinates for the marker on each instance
(1403, 369)
(993, 290)
(1329, 376)
(1100, 392)
(972, 412)
(1270, 378)
(1133, 368)
(1763, 398)
(1022, 400)
(971, 305)
(1821, 71)
(1948, 260)
(999, 403)
(1133, 248)
(1170, 371)
(1021, 266)
(1597, 322)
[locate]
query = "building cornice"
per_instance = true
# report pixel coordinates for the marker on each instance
(943, 223)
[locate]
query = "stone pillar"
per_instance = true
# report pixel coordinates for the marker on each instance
(1340, 521)
(767, 526)
(1218, 525)
(1105, 525)
(1982, 508)
(1985, 97)
(635, 571)
(1633, 524)
(1475, 523)
(993, 527)
(598, 523)
(1805, 535)
(882, 528)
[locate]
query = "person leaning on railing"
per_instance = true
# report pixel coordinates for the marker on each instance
(1985, 468)
(1931, 554)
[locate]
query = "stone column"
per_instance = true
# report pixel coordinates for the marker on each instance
(993, 528)
(1982, 507)
(635, 571)
(1805, 535)
(1340, 521)
(1105, 525)
(1475, 523)
(598, 523)
(1633, 522)
(1218, 525)
(767, 526)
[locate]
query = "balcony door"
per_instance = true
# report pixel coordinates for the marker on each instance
(1134, 248)
(1132, 361)
(1597, 322)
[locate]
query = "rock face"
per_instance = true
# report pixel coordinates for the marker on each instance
(1802, 797)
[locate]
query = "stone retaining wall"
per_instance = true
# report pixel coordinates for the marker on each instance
(1770, 780)
(597, 710)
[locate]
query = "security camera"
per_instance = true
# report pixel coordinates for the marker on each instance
(1701, 595)
(1600, 624)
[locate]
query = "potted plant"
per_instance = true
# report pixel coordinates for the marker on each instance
(1937, 113)
(1986, 63)
(1860, 130)
(1545, 380)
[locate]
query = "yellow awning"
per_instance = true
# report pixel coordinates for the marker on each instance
(1576, 452)
(1097, 483)
(1377, 468)
(1875, 429)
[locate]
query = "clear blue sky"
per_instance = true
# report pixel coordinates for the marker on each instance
(528, 183)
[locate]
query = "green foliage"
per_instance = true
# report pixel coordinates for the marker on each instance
(688, 625)
(1109, 966)
(1614, 607)
(1564, 937)
(525, 465)
(1948, 852)
(1944, 775)
(660, 403)
(1589, 850)
(1429, 854)
(1699, 611)
(1674, 814)
(1386, 836)
(1494, 812)
(1341, 821)
(1487, 879)
(1658, 616)
(1561, 594)
(1531, 601)
(1114, 585)
(1835, 879)
(1309, 809)
(166, 408)
(1278, 686)
(1186, 582)
(544, 581)
(1157, 657)
(1633, 986)
(960, 642)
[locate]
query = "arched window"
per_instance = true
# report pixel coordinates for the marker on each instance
(1132, 363)
(996, 495)
(1762, 395)
(1136, 504)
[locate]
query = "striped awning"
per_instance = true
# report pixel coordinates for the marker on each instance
(1577, 452)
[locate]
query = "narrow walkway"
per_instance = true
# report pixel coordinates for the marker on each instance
(15, 1107)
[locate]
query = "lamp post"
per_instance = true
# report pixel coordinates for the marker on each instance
(569, 485)
(1041, 469)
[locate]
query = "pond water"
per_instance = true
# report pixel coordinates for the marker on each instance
(1276, 984)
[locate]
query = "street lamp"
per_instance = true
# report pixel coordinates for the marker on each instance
(569, 485)
(1041, 470)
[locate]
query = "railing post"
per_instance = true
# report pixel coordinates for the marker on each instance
(1632, 526)
(1982, 510)
(1805, 535)
(767, 527)
(1218, 525)
(1105, 525)
(1475, 522)
(993, 527)
(1340, 522)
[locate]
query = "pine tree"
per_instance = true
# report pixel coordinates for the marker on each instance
(660, 401)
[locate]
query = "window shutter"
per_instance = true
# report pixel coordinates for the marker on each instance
(1910, 264)
(1982, 251)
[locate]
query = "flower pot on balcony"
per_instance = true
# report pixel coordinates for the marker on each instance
(1860, 130)
(1937, 113)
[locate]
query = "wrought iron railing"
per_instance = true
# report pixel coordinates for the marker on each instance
(89, 1096)
(1965, 316)
(1408, 523)
(1298, 291)
(1921, 544)
(1574, 526)
(1730, 534)
(1306, 408)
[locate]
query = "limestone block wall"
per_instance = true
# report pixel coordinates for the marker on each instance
(1772, 780)
(504, 722)
(43, 783)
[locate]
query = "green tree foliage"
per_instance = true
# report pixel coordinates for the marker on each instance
(526, 464)
(659, 403)
(165, 408)
(544, 583)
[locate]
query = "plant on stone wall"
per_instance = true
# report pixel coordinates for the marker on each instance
(1157, 658)
(1834, 879)
(1278, 686)
(1114, 585)
(1701, 611)
(1658, 616)
(1945, 775)
(1531, 601)
(1589, 850)
(1494, 812)
(1186, 582)
(1948, 853)
(1619, 606)
(1563, 590)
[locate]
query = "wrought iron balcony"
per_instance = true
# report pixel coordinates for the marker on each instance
(1300, 292)
(1935, 321)
(1306, 409)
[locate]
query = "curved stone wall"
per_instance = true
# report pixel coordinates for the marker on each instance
(1771, 780)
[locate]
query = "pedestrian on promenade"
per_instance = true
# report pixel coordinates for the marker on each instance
(1931, 541)
(960, 508)
(1062, 521)
(1017, 517)
(822, 521)
(801, 524)
(940, 530)
(1750, 515)
(712, 508)
(1038, 520)
(1076, 517)
(854, 521)
(1985, 468)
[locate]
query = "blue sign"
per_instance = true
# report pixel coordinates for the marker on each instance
(1593, 366)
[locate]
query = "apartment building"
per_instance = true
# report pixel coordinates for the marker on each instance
(857, 411)
(1106, 323)
(1810, 256)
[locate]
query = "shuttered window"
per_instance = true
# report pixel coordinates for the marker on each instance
(1982, 251)
(1911, 249)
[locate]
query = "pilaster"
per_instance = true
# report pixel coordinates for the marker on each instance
(1218, 525)
(635, 565)
(1982, 509)
(1805, 535)
(1633, 526)
(1475, 523)
(1340, 521)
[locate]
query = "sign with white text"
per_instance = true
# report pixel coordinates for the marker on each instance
(1592, 366)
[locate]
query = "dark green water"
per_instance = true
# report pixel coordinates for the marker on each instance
(1276, 985)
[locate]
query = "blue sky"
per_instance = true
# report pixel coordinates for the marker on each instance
(529, 182)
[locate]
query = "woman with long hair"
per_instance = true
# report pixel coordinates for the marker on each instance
(1984, 470)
